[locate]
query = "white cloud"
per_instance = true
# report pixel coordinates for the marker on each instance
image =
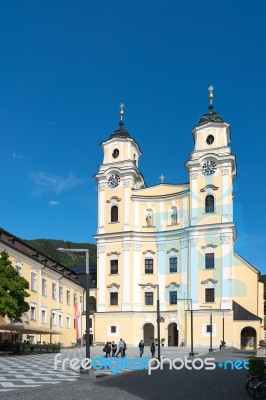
(18, 156)
(53, 203)
(54, 183)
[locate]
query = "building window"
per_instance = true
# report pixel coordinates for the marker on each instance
(173, 297)
(114, 214)
(149, 266)
(60, 320)
(208, 328)
(173, 264)
(209, 260)
(68, 297)
(44, 287)
(68, 322)
(210, 139)
(43, 316)
(113, 329)
(33, 313)
(148, 298)
(209, 295)
(60, 294)
(53, 318)
(114, 299)
(19, 269)
(54, 291)
(113, 266)
(75, 298)
(33, 282)
(209, 203)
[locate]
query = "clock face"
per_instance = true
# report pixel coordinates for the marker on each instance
(209, 167)
(114, 181)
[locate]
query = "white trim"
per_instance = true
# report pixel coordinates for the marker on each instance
(204, 332)
(109, 333)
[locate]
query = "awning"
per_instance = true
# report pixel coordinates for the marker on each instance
(26, 328)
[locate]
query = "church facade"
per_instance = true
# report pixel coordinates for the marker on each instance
(173, 243)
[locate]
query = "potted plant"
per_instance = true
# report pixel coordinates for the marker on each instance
(156, 341)
(162, 341)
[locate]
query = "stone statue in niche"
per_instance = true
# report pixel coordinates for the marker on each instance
(174, 217)
(148, 220)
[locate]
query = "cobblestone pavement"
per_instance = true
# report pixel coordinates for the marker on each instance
(218, 384)
(24, 372)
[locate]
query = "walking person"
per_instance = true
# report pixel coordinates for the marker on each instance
(120, 348)
(141, 348)
(107, 349)
(114, 348)
(124, 349)
(152, 350)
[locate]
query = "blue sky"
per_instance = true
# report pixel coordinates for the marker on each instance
(66, 65)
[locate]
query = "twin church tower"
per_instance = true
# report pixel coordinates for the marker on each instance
(175, 241)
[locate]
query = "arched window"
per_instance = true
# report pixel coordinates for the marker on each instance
(114, 214)
(209, 203)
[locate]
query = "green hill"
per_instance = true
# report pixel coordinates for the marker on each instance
(49, 247)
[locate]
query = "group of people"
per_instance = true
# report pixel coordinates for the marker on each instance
(115, 349)
(121, 347)
(141, 349)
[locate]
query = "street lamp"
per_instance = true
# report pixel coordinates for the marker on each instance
(86, 251)
(210, 349)
(225, 309)
(223, 327)
(151, 285)
(191, 325)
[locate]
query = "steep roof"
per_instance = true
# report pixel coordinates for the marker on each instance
(17, 244)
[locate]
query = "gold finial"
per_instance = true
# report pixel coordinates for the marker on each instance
(121, 111)
(211, 88)
(162, 177)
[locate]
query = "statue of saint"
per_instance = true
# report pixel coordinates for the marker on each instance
(148, 220)
(174, 217)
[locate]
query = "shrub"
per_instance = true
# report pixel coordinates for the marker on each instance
(256, 366)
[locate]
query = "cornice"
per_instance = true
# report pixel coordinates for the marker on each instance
(38, 258)
(220, 229)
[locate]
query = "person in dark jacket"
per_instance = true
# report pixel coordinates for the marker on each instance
(124, 349)
(107, 349)
(152, 350)
(114, 348)
(141, 348)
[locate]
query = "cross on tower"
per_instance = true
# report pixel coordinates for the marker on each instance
(121, 110)
(210, 89)
(162, 177)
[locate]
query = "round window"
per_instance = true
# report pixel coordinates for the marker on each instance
(210, 139)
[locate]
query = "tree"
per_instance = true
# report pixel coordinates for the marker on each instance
(12, 290)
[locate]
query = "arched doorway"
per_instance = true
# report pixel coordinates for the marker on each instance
(172, 334)
(248, 338)
(148, 334)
